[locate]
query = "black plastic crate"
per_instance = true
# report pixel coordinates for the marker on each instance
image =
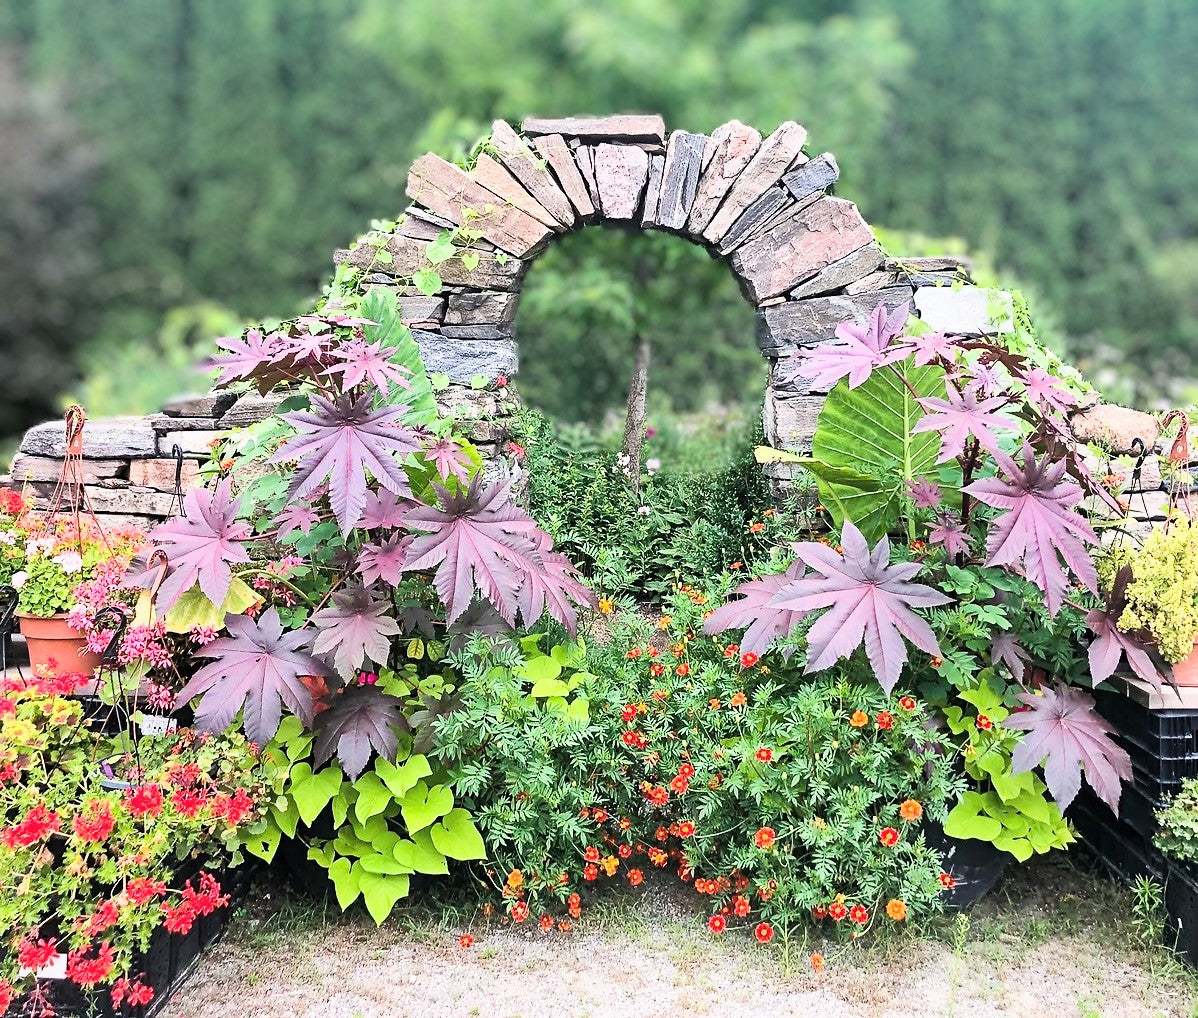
(1126, 852)
(1171, 732)
(1181, 902)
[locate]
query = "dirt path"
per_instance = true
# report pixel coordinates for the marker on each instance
(1051, 941)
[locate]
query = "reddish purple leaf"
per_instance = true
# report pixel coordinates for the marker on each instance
(362, 720)
(932, 347)
(1047, 392)
(950, 534)
(450, 459)
(343, 442)
(763, 621)
(383, 511)
(359, 361)
(924, 494)
(297, 516)
(354, 629)
(383, 560)
(1040, 526)
(1006, 649)
(262, 358)
(1111, 644)
(201, 545)
(1067, 735)
(858, 349)
(257, 666)
(869, 601)
(961, 415)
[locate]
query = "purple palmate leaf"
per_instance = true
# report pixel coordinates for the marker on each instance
(763, 621)
(450, 460)
(262, 358)
(362, 720)
(961, 415)
(931, 347)
(383, 511)
(202, 544)
(258, 666)
(869, 601)
(343, 442)
(858, 349)
(1047, 392)
(923, 493)
(1006, 648)
(1110, 644)
(359, 361)
(297, 516)
(478, 540)
(354, 629)
(383, 560)
(1040, 526)
(949, 533)
(1067, 735)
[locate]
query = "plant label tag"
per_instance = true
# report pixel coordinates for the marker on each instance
(55, 968)
(156, 724)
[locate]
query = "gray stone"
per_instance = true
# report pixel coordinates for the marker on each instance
(111, 438)
(1150, 476)
(500, 182)
(653, 190)
(757, 215)
(816, 175)
(840, 273)
(211, 404)
(469, 404)
(943, 263)
(584, 156)
(463, 359)
(726, 153)
(134, 501)
(250, 409)
(492, 272)
(680, 179)
(483, 307)
(505, 330)
(448, 190)
(426, 228)
(621, 172)
(1116, 428)
(528, 168)
(879, 280)
(416, 307)
(789, 423)
(784, 328)
(787, 380)
(775, 156)
(797, 249)
(554, 150)
(47, 468)
(191, 443)
(162, 423)
(964, 311)
(623, 127)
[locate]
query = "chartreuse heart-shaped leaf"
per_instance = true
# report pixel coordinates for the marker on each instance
(346, 879)
(194, 610)
(422, 805)
(421, 855)
(968, 819)
(373, 796)
(457, 837)
(266, 844)
(313, 792)
(402, 778)
(385, 863)
(287, 818)
(381, 892)
(539, 669)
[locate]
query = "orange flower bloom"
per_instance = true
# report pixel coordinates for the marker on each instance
(736, 565)
(546, 922)
(738, 699)
(465, 940)
(936, 662)
(515, 879)
(591, 854)
(740, 905)
(624, 851)
(749, 660)
(664, 622)
(888, 836)
(859, 719)
(817, 962)
(683, 669)
(633, 654)
(717, 924)
(837, 911)
(686, 771)
(765, 754)
(519, 912)
(910, 810)
(679, 785)
(764, 932)
(713, 703)
(635, 877)
(896, 909)
(606, 605)
(610, 864)
(765, 838)
(884, 719)
(756, 528)
(731, 650)
(686, 829)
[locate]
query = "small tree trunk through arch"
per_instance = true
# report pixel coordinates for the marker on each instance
(634, 422)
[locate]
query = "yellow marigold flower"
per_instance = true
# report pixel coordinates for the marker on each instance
(859, 719)
(610, 865)
(664, 622)
(606, 605)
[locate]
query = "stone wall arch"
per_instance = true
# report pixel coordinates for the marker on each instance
(805, 259)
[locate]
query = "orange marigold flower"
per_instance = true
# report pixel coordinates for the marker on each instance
(633, 654)
(756, 528)
(661, 695)
(590, 872)
(657, 669)
(749, 660)
(936, 662)
(769, 512)
(678, 649)
(625, 823)
(465, 940)
(817, 962)
(515, 879)
(917, 546)
(740, 905)
(683, 669)
(717, 924)
(635, 877)
(837, 911)
(591, 854)
(896, 909)
(628, 713)
(731, 650)
(519, 912)
(713, 703)
(563, 925)
(984, 723)
(686, 771)
(765, 837)
(859, 914)
(910, 809)
(859, 719)
(884, 719)
(546, 922)
(765, 754)
(907, 702)
(764, 933)
(819, 912)
(606, 606)
(888, 836)
(736, 565)
(664, 622)
(653, 652)
(679, 785)
(738, 699)
(686, 829)
(610, 864)
(661, 834)
(600, 816)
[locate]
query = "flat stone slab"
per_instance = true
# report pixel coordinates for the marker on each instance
(815, 175)
(645, 127)
(48, 468)
(448, 190)
(584, 157)
(965, 310)
(784, 328)
(250, 409)
(798, 248)
(463, 359)
(777, 154)
(483, 307)
(852, 267)
(211, 404)
(726, 153)
(556, 153)
(680, 179)
(621, 172)
(789, 423)
(757, 218)
(532, 173)
(129, 500)
(498, 180)
(110, 438)
(196, 444)
(657, 163)
(407, 255)
(159, 474)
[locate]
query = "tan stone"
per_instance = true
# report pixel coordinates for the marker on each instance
(778, 153)
(528, 168)
(159, 474)
(621, 172)
(622, 127)
(498, 180)
(554, 150)
(728, 151)
(1116, 428)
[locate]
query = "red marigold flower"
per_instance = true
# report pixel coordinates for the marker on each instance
(633, 654)
(590, 871)
(686, 771)
(819, 912)
(837, 911)
(465, 940)
(591, 854)
(765, 754)
(657, 669)
(749, 660)
(740, 905)
(685, 829)
(573, 901)
(679, 785)
(756, 528)
(653, 651)
(546, 923)
(631, 737)
(731, 650)
(628, 713)
(884, 719)
(907, 702)
(765, 837)
(717, 924)
(888, 836)
(658, 857)
(948, 881)
(600, 816)
(764, 932)
(984, 723)
(910, 809)
(32, 955)
(635, 877)
(683, 669)
(519, 912)
(859, 914)
(859, 719)
(624, 851)
(817, 962)
(896, 909)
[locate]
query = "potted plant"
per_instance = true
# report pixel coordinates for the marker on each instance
(45, 561)
(108, 871)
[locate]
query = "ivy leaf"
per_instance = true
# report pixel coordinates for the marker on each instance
(258, 666)
(353, 629)
(1111, 644)
(1040, 526)
(1071, 739)
(478, 540)
(342, 441)
(362, 720)
(383, 560)
(961, 415)
(201, 545)
(368, 362)
(427, 281)
(869, 601)
(755, 613)
(858, 349)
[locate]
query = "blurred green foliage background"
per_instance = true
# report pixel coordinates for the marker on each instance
(172, 168)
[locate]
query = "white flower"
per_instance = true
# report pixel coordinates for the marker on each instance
(8, 538)
(31, 549)
(644, 510)
(652, 465)
(18, 580)
(71, 561)
(47, 543)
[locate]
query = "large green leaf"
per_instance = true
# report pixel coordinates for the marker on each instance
(864, 449)
(382, 306)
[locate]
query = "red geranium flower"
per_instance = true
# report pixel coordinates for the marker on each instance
(144, 800)
(94, 822)
(764, 932)
(142, 889)
(179, 918)
(33, 955)
(85, 971)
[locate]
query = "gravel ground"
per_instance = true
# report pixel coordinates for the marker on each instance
(1052, 940)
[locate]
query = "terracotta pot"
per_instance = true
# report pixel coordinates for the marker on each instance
(1185, 672)
(55, 646)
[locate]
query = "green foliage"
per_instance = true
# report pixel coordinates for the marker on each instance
(1178, 833)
